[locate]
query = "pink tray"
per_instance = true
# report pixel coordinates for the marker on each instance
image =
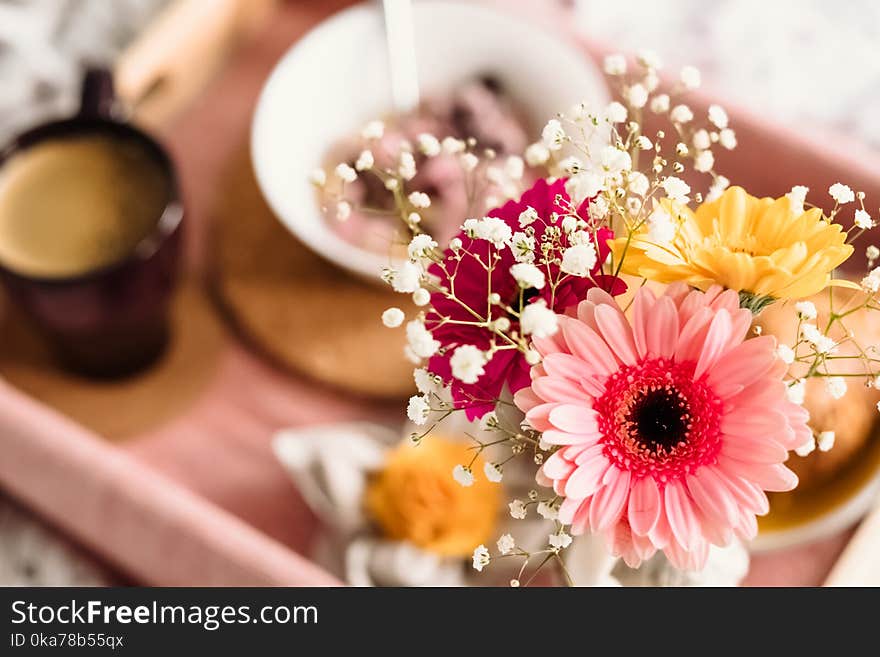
(200, 500)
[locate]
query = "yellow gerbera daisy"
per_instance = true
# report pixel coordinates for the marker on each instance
(759, 246)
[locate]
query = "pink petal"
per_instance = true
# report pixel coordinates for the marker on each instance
(568, 509)
(663, 330)
(692, 336)
(557, 390)
(556, 467)
(557, 437)
(716, 343)
(617, 333)
(746, 494)
(661, 534)
(684, 559)
(592, 386)
(575, 418)
(539, 416)
(753, 447)
(744, 363)
(525, 399)
(747, 528)
(644, 506)
(581, 520)
(565, 366)
(589, 347)
(642, 306)
(608, 502)
(584, 481)
(771, 477)
(768, 422)
(682, 519)
(711, 493)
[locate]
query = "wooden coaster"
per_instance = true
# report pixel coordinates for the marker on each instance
(120, 409)
(295, 306)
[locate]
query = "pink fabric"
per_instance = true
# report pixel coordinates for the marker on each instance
(201, 500)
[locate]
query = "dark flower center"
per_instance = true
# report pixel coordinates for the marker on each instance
(660, 419)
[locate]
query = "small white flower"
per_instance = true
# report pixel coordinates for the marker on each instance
(638, 183)
(797, 196)
(506, 544)
(365, 161)
(467, 363)
(571, 165)
(527, 276)
(553, 135)
(495, 230)
(599, 208)
(493, 472)
(718, 116)
(345, 172)
(614, 161)
(701, 140)
(424, 380)
(806, 310)
(469, 161)
(533, 357)
(569, 224)
(547, 511)
(391, 184)
(451, 145)
(373, 130)
(537, 154)
(580, 237)
(719, 184)
(835, 386)
(644, 143)
(660, 104)
(825, 441)
(681, 149)
(417, 409)
(528, 216)
(560, 541)
(455, 243)
(727, 138)
(661, 227)
(538, 320)
(343, 210)
(690, 77)
(393, 317)
(421, 246)
(583, 186)
(514, 167)
(615, 64)
(785, 354)
(463, 476)
(420, 340)
(872, 252)
(579, 260)
(649, 59)
(871, 282)
(420, 200)
(428, 144)
(637, 96)
(481, 557)
(863, 220)
(651, 80)
(406, 278)
(841, 193)
(517, 509)
(318, 177)
(421, 297)
(501, 324)
(704, 161)
(414, 218)
(489, 421)
(807, 448)
(796, 391)
(681, 114)
(615, 112)
(523, 247)
(676, 189)
(514, 583)
(407, 167)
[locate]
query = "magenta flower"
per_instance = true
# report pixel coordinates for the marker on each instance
(670, 427)
(472, 288)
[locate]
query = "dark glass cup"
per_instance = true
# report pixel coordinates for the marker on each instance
(112, 321)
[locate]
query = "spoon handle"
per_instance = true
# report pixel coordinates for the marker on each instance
(401, 54)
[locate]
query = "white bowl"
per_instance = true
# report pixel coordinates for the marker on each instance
(335, 80)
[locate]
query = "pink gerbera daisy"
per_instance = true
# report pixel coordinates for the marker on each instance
(670, 428)
(507, 367)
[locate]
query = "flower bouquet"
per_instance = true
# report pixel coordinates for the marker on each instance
(600, 319)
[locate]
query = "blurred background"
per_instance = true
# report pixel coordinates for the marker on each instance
(811, 64)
